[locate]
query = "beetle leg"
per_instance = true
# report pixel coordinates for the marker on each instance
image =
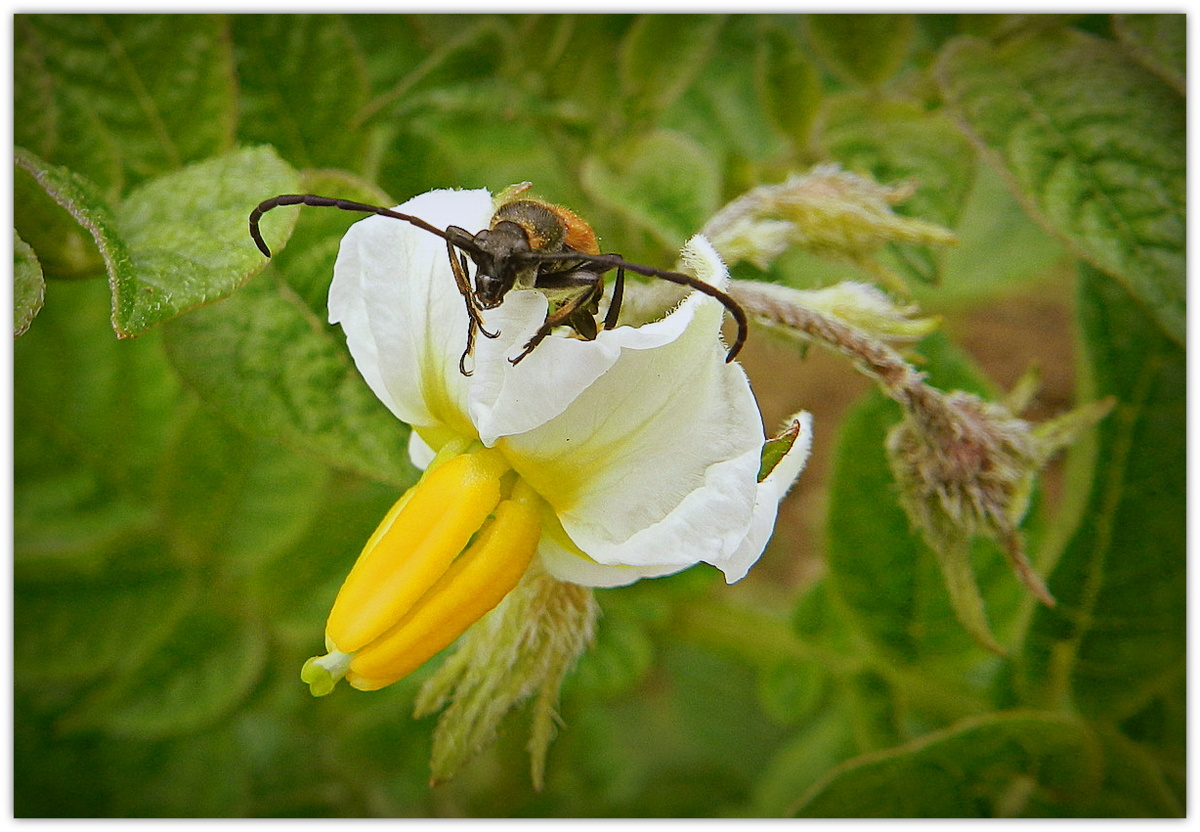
(572, 311)
(476, 317)
(462, 361)
(614, 306)
(553, 320)
(474, 324)
(458, 265)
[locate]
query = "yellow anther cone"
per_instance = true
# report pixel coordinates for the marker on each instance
(476, 583)
(443, 511)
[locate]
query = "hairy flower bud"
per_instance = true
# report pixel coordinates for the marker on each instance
(828, 212)
(966, 468)
(861, 306)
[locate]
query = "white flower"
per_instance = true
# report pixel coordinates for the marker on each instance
(640, 449)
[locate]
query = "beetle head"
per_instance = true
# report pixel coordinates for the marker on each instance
(497, 268)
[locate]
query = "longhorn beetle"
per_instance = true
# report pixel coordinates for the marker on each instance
(529, 244)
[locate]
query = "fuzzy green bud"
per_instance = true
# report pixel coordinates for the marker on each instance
(828, 212)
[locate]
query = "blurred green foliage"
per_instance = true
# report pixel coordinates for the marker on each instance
(187, 501)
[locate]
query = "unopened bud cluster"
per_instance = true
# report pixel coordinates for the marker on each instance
(828, 212)
(861, 307)
(966, 467)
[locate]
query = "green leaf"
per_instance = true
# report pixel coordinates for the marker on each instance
(41, 765)
(665, 184)
(1136, 784)
(999, 248)
(776, 448)
(1002, 764)
(391, 45)
(235, 500)
(72, 521)
(1064, 116)
(75, 631)
(544, 39)
(660, 56)
(303, 81)
(958, 573)
(203, 775)
(459, 54)
(817, 747)
(816, 618)
(295, 592)
(621, 657)
(1117, 638)
(865, 49)
(29, 287)
(897, 141)
(1159, 42)
(279, 734)
(716, 111)
(306, 262)
(588, 80)
(60, 247)
(203, 670)
(698, 750)
(188, 235)
(787, 84)
(65, 248)
(876, 710)
(122, 98)
(182, 239)
(365, 744)
(472, 149)
(874, 559)
(268, 365)
(789, 691)
(91, 418)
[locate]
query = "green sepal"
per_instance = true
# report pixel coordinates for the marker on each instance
(774, 450)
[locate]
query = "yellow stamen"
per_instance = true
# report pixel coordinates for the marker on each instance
(450, 451)
(476, 583)
(397, 567)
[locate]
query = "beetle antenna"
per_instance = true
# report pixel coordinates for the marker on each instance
(328, 202)
(461, 239)
(615, 262)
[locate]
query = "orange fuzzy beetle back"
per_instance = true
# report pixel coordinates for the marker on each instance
(548, 227)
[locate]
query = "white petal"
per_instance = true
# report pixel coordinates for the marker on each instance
(575, 568)
(405, 322)
(419, 451)
(766, 504)
(507, 399)
(701, 259)
(568, 565)
(653, 464)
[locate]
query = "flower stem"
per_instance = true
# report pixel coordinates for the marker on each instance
(727, 627)
(871, 356)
